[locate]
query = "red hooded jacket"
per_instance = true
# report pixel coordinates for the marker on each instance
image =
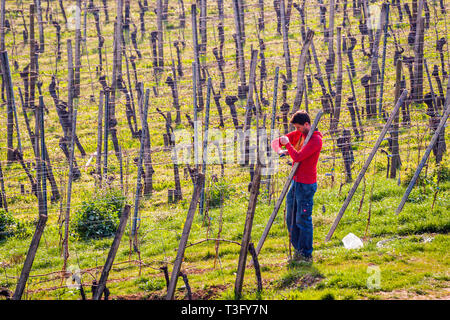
(308, 156)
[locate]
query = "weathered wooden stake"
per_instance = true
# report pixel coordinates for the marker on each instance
(287, 54)
(41, 26)
(112, 253)
(418, 62)
(383, 63)
(105, 137)
(255, 262)
(246, 237)
(242, 89)
(198, 84)
(205, 144)
(3, 202)
(198, 186)
(374, 68)
(99, 138)
(159, 22)
(395, 149)
(272, 124)
(301, 72)
(202, 27)
(26, 269)
(144, 133)
(433, 141)
(250, 103)
(7, 80)
(366, 165)
(69, 189)
(338, 98)
(329, 66)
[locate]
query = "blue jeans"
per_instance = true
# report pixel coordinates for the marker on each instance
(299, 204)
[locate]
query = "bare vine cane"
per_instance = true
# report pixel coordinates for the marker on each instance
(286, 187)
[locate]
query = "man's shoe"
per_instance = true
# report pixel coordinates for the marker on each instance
(300, 258)
(308, 259)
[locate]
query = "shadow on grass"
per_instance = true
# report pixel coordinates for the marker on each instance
(300, 275)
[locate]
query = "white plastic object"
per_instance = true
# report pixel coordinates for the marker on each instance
(352, 242)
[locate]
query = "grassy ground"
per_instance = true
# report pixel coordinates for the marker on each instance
(404, 256)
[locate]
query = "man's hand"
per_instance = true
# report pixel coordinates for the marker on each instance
(284, 140)
(282, 153)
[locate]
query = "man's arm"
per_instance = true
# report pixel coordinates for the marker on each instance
(310, 148)
(277, 146)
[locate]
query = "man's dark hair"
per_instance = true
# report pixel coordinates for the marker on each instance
(300, 117)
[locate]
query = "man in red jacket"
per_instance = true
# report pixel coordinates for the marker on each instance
(299, 200)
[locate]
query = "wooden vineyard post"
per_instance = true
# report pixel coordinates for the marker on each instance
(42, 204)
(105, 137)
(76, 78)
(301, 72)
(338, 98)
(3, 203)
(144, 133)
(433, 141)
(383, 63)
(366, 164)
(198, 85)
(417, 89)
(159, 22)
(112, 253)
(250, 104)
(205, 144)
(7, 82)
(418, 61)
(272, 123)
(19, 155)
(255, 262)
(149, 171)
(286, 187)
(40, 25)
(99, 139)
(254, 191)
(396, 162)
(194, 95)
(284, 29)
(202, 27)
(198, 186)
(2, 25)
(330, 31)
(242, 89)
(374, 69)
(69, 188)
(116, 78)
